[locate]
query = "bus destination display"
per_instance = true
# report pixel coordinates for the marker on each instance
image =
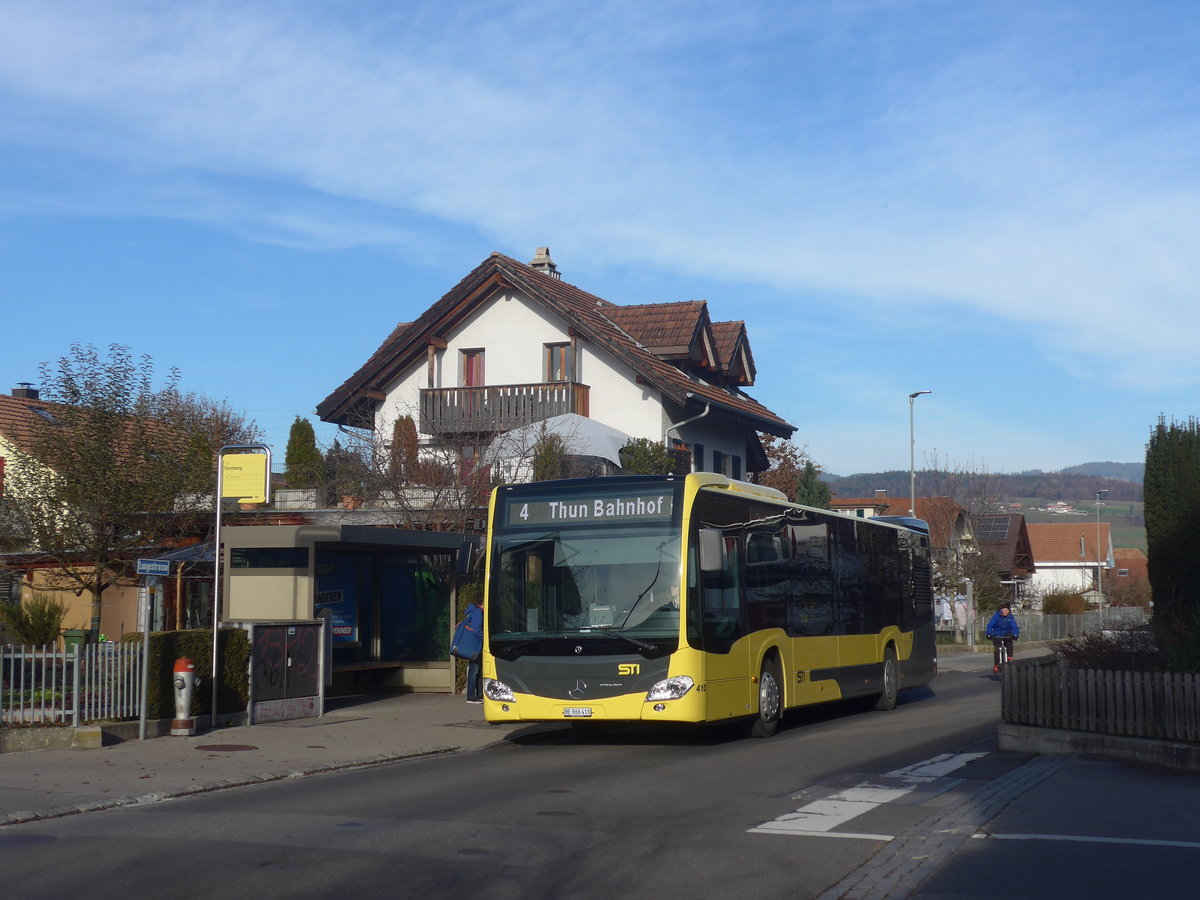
(577, 510)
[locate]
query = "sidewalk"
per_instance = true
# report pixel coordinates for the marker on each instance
(355, 731)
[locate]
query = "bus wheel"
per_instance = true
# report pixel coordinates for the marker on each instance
(770, 702)
(891, 682)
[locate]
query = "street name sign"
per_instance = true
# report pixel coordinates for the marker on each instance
(154, 567)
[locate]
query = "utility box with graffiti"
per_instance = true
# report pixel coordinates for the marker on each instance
(286, 671)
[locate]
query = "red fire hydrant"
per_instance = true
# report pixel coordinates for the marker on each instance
(185, 684)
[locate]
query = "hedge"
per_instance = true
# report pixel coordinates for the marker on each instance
(196, 645)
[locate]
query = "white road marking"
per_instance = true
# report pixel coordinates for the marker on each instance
(819, 818)
(1141, 842)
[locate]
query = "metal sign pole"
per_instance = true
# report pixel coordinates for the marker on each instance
(217, 556)
(216, 602)
(153, 582)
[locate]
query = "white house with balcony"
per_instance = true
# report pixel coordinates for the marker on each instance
(512, 345)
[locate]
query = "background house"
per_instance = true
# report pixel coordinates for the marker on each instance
(951, 532)
(1066, 557)
(1004, 537)
(22, 569)
(513, 344)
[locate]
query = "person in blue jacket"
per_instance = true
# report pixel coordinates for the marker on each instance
(1003, 630)
(474, 626)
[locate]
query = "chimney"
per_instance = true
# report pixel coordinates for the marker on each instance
(880, 493)
(25, 391)
(544, 264)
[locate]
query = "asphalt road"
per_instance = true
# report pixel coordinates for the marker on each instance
(841, 802)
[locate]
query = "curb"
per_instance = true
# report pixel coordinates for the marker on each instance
(1033, 739)
(26, 816)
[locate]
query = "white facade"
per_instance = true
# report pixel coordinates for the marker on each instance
(1055, 577)
(512, 332)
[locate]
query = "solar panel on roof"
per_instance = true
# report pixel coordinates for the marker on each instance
(992, 528)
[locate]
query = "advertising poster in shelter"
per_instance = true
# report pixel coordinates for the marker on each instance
(337, 591)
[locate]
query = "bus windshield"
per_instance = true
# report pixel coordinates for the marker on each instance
(586, 580)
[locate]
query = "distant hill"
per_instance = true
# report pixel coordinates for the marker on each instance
(1124, 471)
(1079, 483)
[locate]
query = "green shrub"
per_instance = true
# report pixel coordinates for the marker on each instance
(196, 645)
(642, 456)
(37, 621)
(1119, 649)
(1063, 603)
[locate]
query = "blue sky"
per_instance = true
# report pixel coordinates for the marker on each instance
(995, 201)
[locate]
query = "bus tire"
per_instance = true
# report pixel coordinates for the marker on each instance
(770, 701)
(891, 681)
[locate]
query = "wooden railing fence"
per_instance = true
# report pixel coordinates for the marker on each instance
(1045, 692)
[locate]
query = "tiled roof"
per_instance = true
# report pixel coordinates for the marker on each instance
(733, 350)
(1006, 538)
(592, 316)
(18, 419)
(942, 513)
(1067, 542)
(1132, 559)
(666, 329)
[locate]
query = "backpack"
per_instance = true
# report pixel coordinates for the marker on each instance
(467, 641)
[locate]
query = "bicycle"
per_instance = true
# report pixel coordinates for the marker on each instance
(1003, 655)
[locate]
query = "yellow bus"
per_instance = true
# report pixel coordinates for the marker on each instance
(695, 598)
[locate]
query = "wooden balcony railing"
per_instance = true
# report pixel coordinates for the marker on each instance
(500, 407)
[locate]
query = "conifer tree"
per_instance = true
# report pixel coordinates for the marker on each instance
(1172, 493)
(304, 466)
(810, 489)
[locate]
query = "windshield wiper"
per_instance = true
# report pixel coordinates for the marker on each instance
(622, 635)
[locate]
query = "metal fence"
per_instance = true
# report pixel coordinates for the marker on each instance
(1038, 627)
(88, 683)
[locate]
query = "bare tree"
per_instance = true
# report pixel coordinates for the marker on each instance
(977, 491)
(111, 466)
(793, 472)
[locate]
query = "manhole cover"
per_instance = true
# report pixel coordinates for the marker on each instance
(226, 748)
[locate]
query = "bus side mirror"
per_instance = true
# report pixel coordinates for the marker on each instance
(712, 550)
(466, 558)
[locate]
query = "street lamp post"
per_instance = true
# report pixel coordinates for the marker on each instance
(912, 443)
(1099, 557)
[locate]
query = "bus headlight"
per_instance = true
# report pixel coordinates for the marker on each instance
(497, 690)
(671, 689)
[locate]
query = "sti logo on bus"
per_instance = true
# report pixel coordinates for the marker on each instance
(581, 510)
(629, 669)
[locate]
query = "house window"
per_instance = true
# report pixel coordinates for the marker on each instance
(718, 463)
(1122, 573)
(472, 368)
(559, 365)
(697, 457)
(10, 586)
(736, 466)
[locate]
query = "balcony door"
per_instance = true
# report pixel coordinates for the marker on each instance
(472, 368)
(471, 405)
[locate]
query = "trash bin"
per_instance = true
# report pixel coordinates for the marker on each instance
(74, 637)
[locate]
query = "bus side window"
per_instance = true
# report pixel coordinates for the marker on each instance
(722, 604)
(694, 618)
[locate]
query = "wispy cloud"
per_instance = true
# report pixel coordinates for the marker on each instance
(1014, 160)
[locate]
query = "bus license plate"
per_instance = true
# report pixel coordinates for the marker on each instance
(577, 712)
